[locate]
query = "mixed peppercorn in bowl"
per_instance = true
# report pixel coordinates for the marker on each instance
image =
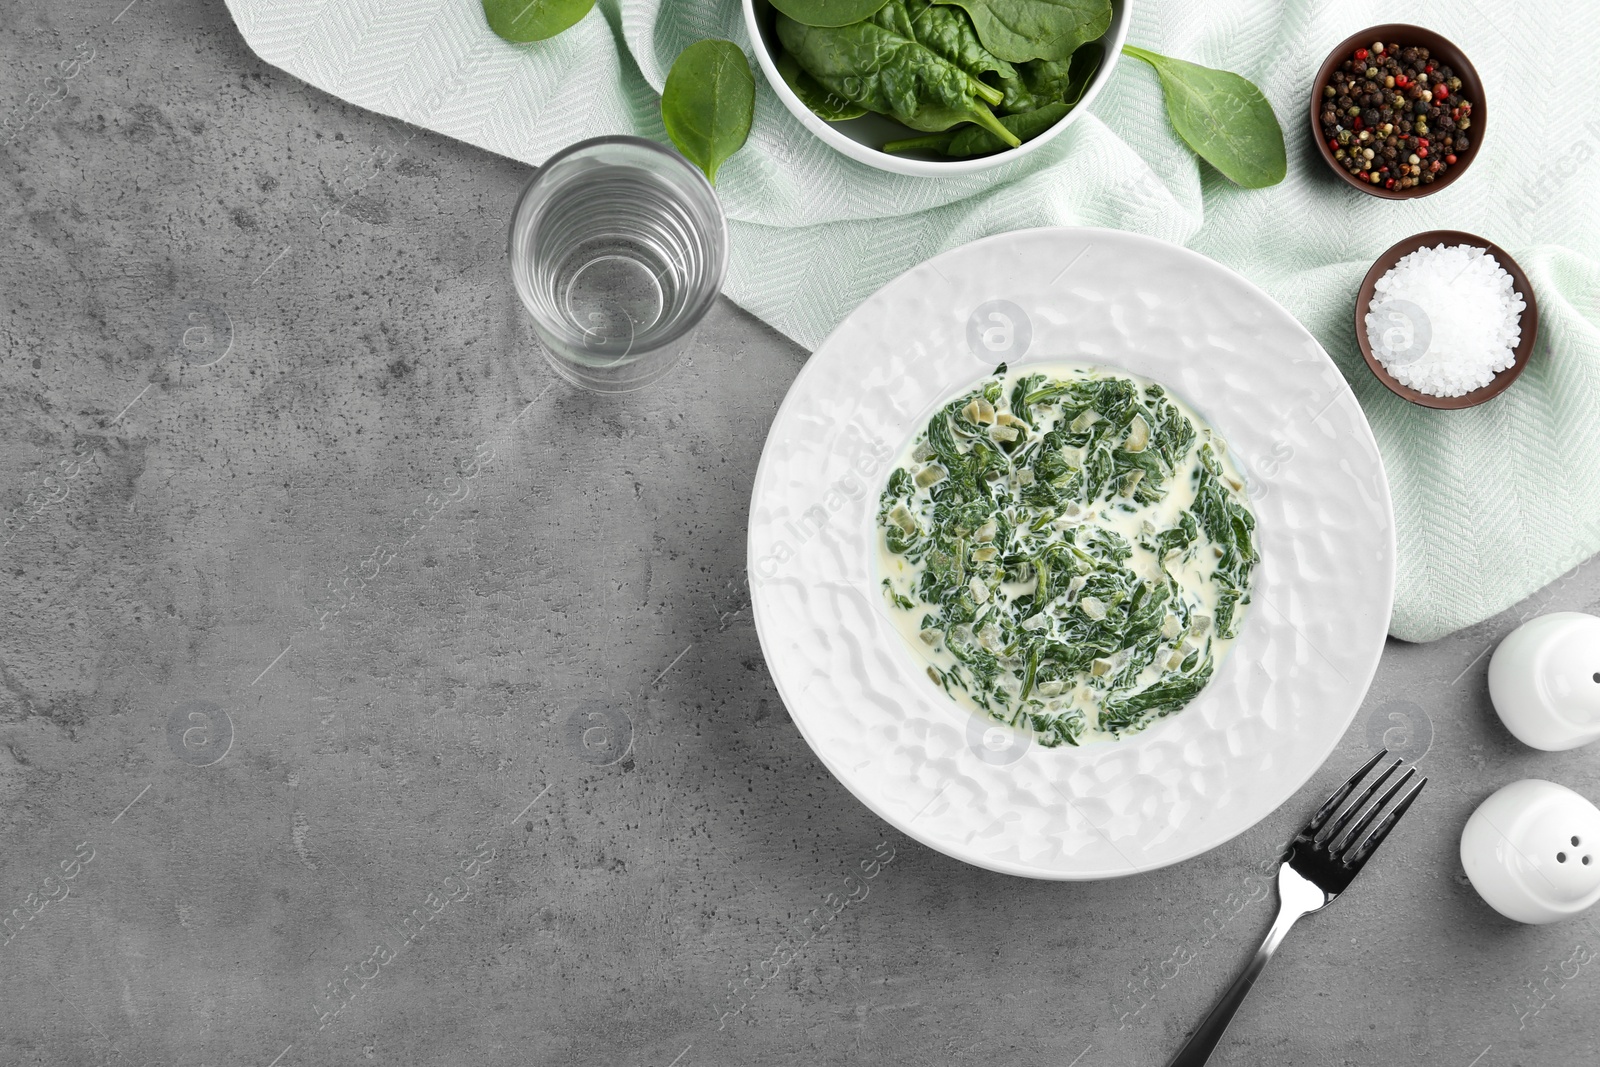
(1397, 111)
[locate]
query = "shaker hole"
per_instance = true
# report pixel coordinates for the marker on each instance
(1561, 857)
(1597, 676)
(1586, 861)
(1574, 842)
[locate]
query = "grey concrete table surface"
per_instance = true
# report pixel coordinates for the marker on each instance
(368, 695)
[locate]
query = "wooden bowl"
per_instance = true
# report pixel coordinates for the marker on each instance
(1519, 282)
(1439, 49)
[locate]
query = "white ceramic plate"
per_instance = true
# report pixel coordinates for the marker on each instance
(859, 138)
(1311, 637)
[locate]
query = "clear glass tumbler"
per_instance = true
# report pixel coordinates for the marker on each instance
(618, 248)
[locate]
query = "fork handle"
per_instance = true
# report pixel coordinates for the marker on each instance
(1197, 1050)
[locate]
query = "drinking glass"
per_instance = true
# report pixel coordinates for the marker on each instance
(618, 248)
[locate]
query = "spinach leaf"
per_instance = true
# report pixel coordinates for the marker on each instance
(973, 141)
(709, 103)
(1062, 83)
(1019, 30)
(1229, 524)
(1028, 125)
(893, 75)
(1168, 695)
(827, 106)
(828, 12)
(1223, 117)
(948, 32)
(533, 20)
(1052, 80)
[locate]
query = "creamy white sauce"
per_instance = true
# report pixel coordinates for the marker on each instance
(1193, 575)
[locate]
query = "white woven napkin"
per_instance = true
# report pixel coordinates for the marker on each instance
(1491, 503)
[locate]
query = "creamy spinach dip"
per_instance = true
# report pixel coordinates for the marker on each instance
(1068, 549)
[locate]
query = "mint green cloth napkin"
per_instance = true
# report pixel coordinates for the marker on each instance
(1490, 503)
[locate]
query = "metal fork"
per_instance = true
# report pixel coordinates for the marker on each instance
(1324, 860)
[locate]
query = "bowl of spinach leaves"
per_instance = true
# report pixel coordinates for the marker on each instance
(937, 87)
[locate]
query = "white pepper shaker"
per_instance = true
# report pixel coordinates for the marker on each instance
(1532, 851)
(1544, 680)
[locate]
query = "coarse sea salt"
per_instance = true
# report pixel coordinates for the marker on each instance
(1445, 320)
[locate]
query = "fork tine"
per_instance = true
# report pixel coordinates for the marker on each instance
(1374, 839)
(1373, 812)
(1339, 794)
(1331, 831)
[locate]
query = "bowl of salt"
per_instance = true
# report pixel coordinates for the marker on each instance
(1446, 319)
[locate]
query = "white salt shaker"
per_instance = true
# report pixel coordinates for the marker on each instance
(1544, 680)
(1532, 851)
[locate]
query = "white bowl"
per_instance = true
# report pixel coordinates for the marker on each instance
(859, 138)
(1309, 642)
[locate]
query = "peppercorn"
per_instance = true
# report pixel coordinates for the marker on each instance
(1451, 159)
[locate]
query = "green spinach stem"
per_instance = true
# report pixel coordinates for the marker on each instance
(932, 142)
(985, 118)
